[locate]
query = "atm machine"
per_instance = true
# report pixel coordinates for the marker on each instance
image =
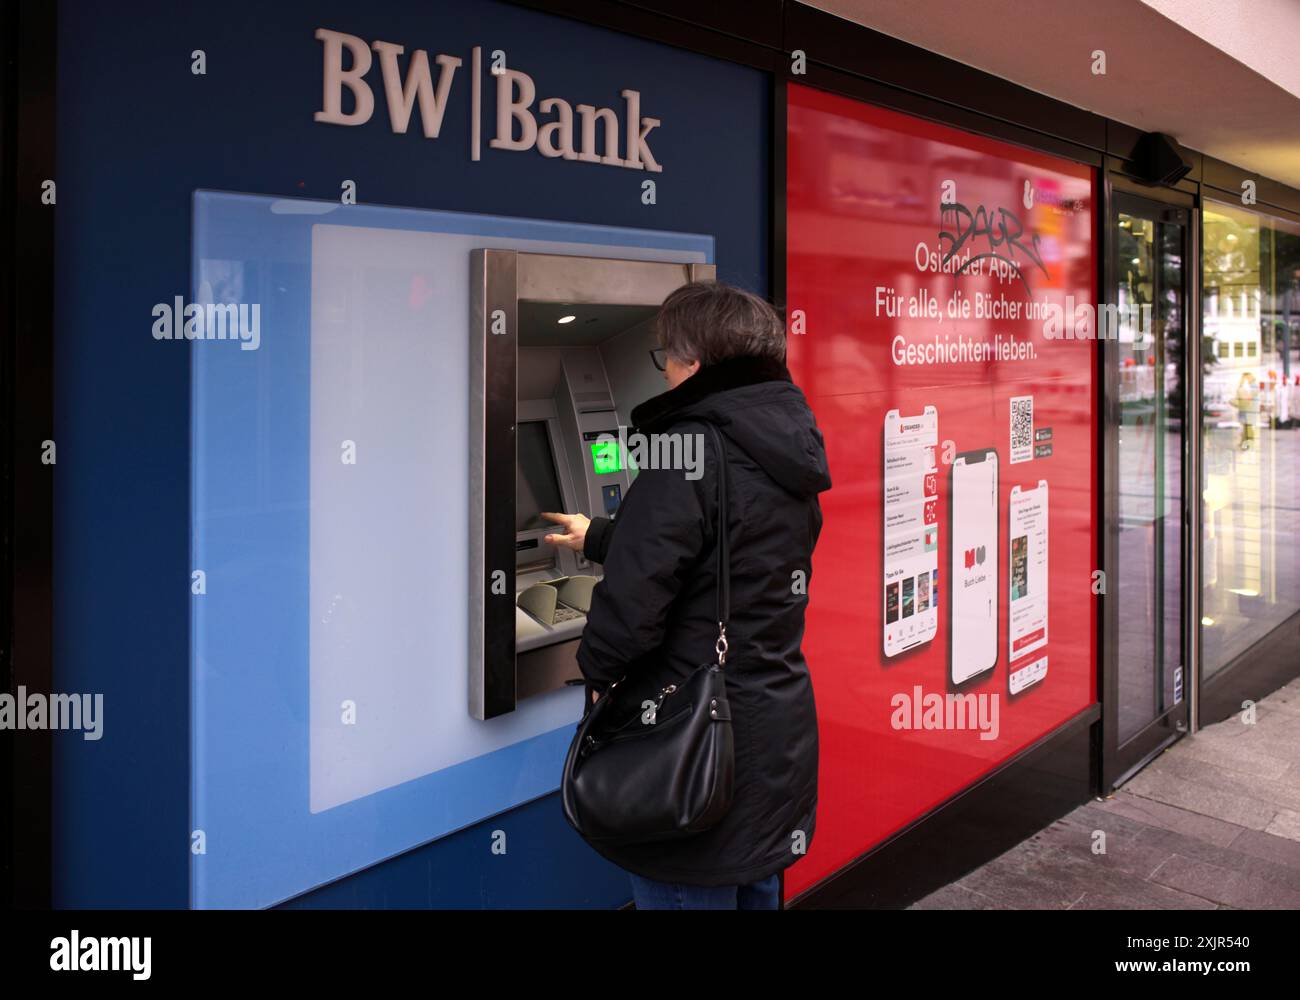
(560, 354)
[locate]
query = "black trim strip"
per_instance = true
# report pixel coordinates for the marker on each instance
(1227, 178)
(733, 30)
(777, 178)
(27, 298)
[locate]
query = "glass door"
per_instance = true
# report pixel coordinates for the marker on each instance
(1148, 452)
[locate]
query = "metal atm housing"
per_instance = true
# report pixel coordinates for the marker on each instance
(559, 356)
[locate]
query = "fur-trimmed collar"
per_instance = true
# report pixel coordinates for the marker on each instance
(730, 373)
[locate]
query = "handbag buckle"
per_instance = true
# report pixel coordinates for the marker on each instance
(720, 647)
(654, 713)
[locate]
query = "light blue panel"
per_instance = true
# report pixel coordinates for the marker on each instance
(257, 732)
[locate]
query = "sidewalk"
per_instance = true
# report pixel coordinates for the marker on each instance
(1212, 823)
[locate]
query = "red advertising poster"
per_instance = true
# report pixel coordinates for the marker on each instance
(941, 295)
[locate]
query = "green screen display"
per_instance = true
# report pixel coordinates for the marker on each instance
(604, 457)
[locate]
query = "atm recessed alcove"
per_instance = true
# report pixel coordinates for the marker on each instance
(547, 399)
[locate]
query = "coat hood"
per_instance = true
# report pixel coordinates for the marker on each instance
(756, 404)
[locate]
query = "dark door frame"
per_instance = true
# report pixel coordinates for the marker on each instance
(27, 147)
(1118, 762)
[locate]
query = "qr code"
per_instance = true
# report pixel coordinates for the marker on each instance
(1022, 428)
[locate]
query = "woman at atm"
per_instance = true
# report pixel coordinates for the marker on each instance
(653, 616)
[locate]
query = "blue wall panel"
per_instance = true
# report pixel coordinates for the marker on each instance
(545, 866)
(138, 133)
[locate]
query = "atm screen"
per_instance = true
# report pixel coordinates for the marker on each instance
(537, 488)
(605, 457)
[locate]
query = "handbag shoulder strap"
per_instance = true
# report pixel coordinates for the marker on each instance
(724, 560)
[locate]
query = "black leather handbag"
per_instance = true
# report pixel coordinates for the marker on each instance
(667, 772)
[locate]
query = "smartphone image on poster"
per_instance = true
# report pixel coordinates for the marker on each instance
(1027, 523)
(973, 566)
(911, 531)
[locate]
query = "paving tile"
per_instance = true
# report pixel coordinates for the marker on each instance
(1246, 863)
(1227, 729)
(1220, 885)
(1025, 878)
(1150, 812)
(1272, 846)
(1285, 748)
(1155, 897)
(1040, 877)
(1271, 742)
(955, 897)
(1277, 792)
(1232, 755)
(1267, 716)
(1189, 794)
(1285, 824)
(1258, 855)
(1284, 699)
(1212, 823)
(1125, 849)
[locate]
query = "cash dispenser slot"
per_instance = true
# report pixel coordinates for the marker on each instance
(560, 354)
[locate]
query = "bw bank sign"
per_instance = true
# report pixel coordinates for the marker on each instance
(552, 126)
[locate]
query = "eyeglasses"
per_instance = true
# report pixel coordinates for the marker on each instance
(660, 357)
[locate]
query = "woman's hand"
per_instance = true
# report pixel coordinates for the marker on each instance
(575, 530)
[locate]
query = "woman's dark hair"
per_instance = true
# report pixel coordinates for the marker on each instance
(708, 322)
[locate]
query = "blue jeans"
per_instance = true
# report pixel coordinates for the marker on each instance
(651, 895)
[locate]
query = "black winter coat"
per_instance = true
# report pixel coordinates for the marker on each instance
(653, 615)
